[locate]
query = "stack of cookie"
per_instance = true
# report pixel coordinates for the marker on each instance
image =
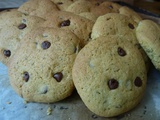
(96, 46)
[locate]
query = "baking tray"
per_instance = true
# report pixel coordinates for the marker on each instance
(13, 107)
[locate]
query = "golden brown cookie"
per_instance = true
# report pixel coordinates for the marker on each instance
(148, 35)
(80, 26)
(40, 71)
(13, 26)
(110, 76)
(38, 8)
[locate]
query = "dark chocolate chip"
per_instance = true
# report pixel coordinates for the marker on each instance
(7, 53)
(59, 3)
(22, 26)
(97, 4)
(46, 45)
(113, 84)
(26, 76)
(58, 76)
(131, 26)
(121, 52)
(90, 35)
(138, 82)
(65, 23)
(138, 46)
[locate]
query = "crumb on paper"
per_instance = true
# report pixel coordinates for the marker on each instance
(8, 102)
(25, 102)
(49, 111)
(3, 108)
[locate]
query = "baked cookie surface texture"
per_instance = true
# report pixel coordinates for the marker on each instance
(110, 76)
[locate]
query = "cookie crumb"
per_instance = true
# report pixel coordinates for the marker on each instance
(94, 116)
(8, 102)
(25, 102)
(61, 108)
(49, 111)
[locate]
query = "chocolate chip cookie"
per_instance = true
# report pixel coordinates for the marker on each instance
(95, 7)
(118, 24)
(13, 26)
(110, 76)
(148, 35)
(40, 71)
(80, 26)
(38, 8)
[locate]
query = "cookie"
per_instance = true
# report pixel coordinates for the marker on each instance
(148, 35)
(97, 8)
(105, 7)
(8, 17)
(80, 26)
(130, 13)
(118, 24)
(80, 6)
(12, 30)
(110, 76)
(63, 4)
(89, 16)
(114, 24)
(38, 8)
(40, 71)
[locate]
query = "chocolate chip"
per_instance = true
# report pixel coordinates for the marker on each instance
(58, 76)
(138, 46)
(138, 82)
(26, 76)
(113, 84)
(46, 45)
(90, 35)
(97, 4)
(59, 3)
(131, 26)
(121, 52)
(65, 23)
(22, 26)
(7, 53)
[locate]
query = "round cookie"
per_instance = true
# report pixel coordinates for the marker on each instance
(80, 26)
(114, 24)
(110, 76)
(148, 35)
(8, 17)
(89, 16)
(38, 8)
(41, 69)
(118, 24)
(130, 13)
(12, 30)
(97, 8)
(63, 4)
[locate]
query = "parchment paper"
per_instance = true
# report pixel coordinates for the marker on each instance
(13, 107)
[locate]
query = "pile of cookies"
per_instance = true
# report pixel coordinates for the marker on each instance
(98, 47)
